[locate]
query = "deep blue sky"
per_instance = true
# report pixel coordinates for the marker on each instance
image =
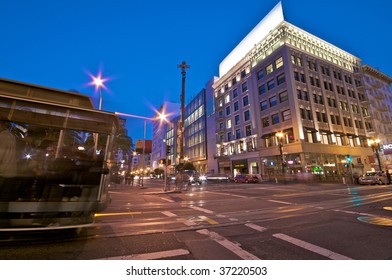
(139, 43)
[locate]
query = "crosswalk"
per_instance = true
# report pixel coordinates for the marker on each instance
(203, 221)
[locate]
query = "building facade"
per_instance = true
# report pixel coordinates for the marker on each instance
(287, 101)
(377, 88)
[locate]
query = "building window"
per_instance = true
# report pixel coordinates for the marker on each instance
(246, 115)
(312, 65)
(248, 130)
(233, 81)
(263, 105)
(228, 123)
(245, 100)
(271, 84)
(260, 74)
(238, 133)
(244, 87)
(227, 111)
(278, 63)
(236, 107)
(275, 118)
(243, 74)
(281, 79)
(235, 93)
(273, 101)
(262, 89)
(229, 136)
(269, 69)
(227, 99)
(237, 119)
(265, 121)
(286, 115)
(283, 96)
(331, 102)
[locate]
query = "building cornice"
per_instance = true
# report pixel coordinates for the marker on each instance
(367, 69)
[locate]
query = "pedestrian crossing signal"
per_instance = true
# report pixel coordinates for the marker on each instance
(349, 159)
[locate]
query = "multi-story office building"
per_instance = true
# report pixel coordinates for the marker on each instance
(289, 101)
(195, 142)
(195, 132)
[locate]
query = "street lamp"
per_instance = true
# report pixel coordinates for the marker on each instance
(99, 83)
(279, 136)
(375, 144)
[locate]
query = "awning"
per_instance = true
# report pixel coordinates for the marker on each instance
(325, 132)
(310, 129)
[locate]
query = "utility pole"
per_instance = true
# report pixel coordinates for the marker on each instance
(183, 67)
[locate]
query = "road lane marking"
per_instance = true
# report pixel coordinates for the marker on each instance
(151, 256)
(233, 247)
(355, 213)
(311, 247)
(380, 221)
(202, 209)
(167, 199)
(256, 227)
(281, 202)
(208, 220)
(169, 214)
(229, 194)
(116, 214)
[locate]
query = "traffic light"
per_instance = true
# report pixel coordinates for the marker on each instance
(168, 150)
(349, 159)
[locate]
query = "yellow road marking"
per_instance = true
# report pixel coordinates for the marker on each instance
(116, 214)
(389, 208)
(380, 221)
(208, 220)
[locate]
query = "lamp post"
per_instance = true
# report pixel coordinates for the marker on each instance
(183, 67)
(375, 144)
(98, 82)
(279, 136)
(161, 117)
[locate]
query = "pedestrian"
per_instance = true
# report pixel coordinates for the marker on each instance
(388, 177)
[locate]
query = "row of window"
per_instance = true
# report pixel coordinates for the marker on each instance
(306, 114)
(273, 101)
(275, 118)
(280, 79)
(343, 105)
(270, 68)
(312, 65)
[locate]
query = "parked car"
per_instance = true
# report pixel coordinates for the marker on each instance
(217, 177)
(373, 177)
(245, 178)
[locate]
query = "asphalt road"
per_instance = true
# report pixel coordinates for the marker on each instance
(225, 221)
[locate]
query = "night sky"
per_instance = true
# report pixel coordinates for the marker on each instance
(137, 44)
